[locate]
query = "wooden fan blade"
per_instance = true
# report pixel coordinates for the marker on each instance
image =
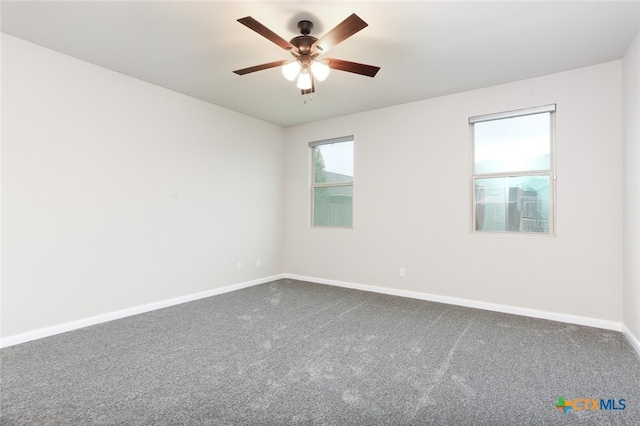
(354, 67)
(256, 26)
(341, 32)
(260, 67)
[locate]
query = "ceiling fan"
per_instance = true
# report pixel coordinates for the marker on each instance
(305, 49)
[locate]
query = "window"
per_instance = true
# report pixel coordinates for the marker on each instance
(332, 182)
(513, 171)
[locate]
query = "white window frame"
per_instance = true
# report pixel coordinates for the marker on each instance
(315, 185)
(551, 172)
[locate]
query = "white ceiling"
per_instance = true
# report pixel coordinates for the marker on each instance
(424, 49)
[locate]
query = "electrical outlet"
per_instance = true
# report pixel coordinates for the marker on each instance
(402, 272)
(239, 266)
(258, 263)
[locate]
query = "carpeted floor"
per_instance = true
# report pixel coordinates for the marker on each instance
(290, 352)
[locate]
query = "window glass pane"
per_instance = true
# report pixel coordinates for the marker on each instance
(333, 206)
(518, 204)
(513, 144)
(333, 163)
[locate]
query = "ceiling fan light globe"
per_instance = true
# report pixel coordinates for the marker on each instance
(291, 70)
(320, 70)
(304, 81)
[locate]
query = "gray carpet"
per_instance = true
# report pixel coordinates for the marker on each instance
(290, 352)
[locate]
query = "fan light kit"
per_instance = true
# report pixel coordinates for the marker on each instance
(306, 66)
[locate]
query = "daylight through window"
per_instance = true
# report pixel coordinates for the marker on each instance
(332, 182)
(513, 171)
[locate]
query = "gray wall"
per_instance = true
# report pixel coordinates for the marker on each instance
(412, 201)
(631, 88)
(117, 193)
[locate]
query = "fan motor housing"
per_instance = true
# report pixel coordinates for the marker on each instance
(303, 43)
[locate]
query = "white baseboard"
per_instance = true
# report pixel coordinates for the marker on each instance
(635, 343)
(571, 319)
(98, 319)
